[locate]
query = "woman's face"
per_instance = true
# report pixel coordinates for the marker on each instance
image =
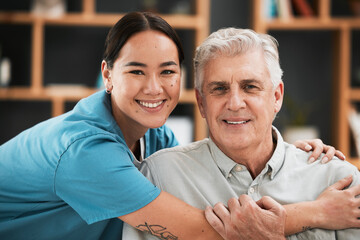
(145, 79)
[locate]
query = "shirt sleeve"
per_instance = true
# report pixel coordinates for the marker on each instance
(159, 138)
(97, 178)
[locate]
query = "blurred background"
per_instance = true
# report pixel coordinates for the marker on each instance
(50, 55)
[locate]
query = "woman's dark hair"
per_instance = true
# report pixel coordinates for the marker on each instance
(131, 24)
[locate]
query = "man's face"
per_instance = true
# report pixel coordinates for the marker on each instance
(239, 101)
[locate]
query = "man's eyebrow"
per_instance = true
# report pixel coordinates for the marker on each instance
(169, 63)
(216, 83)
(249, 81)
(137, 64)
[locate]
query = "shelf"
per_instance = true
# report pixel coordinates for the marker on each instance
(354, 161)
(355, 94)
(344, 47)
(180, 21)
(74, 31)
(311, 24)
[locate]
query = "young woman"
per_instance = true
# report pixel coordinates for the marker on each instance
(74, 176)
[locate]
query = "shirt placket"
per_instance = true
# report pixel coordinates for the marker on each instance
(242, 182)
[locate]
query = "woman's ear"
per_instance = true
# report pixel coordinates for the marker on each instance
(105, 72)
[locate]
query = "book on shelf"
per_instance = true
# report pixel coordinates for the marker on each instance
(354, 122)
(270, 9)
(5, 72)
(303, 8)
(285, 9)
(281, 9)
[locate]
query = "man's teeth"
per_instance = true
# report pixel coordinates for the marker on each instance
(241, 122)
(150, 105)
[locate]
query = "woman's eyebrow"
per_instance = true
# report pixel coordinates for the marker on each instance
(169, 63)
(137, 64)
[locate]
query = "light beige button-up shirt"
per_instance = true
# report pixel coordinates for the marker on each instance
(201, 174)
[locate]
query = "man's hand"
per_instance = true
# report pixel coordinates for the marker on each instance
(340, 208)
(246, 219)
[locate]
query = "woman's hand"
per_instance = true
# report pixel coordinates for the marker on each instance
(318, 147)
(339, 208)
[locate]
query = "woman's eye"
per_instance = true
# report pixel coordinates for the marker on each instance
(137, 72)
(167, 72)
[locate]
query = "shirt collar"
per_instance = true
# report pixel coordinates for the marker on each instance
(277, 159)
(226, 164)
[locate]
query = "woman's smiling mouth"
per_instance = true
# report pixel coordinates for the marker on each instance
(150, 104)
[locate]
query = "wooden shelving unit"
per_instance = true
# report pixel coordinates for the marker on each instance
(343, 93)
(198, 22)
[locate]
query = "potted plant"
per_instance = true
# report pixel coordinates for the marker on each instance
(296, 118)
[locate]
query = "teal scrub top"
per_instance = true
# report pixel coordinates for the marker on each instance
(71, 176)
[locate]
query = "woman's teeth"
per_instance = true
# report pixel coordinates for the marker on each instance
(150, 105)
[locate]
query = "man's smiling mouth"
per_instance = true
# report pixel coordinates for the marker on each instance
(236, 123)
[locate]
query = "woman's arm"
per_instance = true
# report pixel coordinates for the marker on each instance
(170, 218)
(177, 219)
(335, 208)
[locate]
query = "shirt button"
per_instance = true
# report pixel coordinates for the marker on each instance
(251, 190)
(230, 175)
(238, 168)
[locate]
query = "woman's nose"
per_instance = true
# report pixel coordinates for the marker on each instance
(153, 86)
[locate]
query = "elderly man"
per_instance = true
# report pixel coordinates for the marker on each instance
(239, 92)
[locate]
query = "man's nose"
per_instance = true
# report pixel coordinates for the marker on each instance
(236, 100)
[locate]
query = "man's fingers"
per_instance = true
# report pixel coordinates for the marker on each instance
(213, 219)
(233, 203)
(268, 203)
(355, 190)
(245, 200)
(342, 183)
(221, 211)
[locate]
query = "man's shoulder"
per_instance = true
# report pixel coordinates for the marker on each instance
(188, 149)
(299, 158)
(170, 154)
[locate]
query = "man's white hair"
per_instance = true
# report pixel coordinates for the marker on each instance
(232, 42)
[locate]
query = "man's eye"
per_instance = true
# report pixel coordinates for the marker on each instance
(137, 72)
(219, 89)
(250, 87)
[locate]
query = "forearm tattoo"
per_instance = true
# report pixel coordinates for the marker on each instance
(305, 228)
(156, 230)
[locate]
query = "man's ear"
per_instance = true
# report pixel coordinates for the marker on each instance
(199, 99)
(279, 96)
(105, 72)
